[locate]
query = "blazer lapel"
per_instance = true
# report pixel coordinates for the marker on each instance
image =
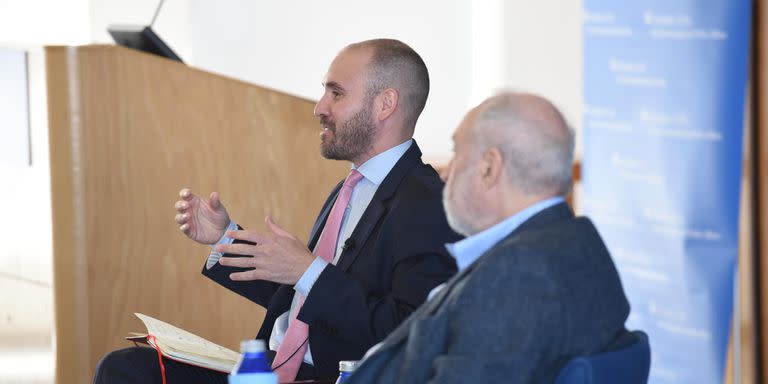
(377, 207)
(314, 235)
(433, 305)
(367, 222)
(425, 310)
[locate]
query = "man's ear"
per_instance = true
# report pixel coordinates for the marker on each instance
(493, 167)
(387, 103)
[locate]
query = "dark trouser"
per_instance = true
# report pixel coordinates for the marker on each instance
(139, 365)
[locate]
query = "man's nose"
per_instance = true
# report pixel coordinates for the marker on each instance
(321, 108)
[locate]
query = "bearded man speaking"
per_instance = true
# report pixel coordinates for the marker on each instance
(377, 247)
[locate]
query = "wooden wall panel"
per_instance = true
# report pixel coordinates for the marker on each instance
(744, 369)
(127, 131)
(760, 147)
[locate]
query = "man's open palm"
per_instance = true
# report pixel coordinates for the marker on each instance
(202, 220)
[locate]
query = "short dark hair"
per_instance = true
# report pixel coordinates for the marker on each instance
(396, 65)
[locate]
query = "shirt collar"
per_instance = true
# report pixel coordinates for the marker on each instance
(378, 167)
(471, 248)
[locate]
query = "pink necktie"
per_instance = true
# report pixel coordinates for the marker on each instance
(294, 346)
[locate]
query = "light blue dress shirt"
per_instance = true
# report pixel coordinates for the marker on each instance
(374, 171)
(469, 249)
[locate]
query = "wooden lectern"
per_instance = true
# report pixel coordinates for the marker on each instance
(127, 131)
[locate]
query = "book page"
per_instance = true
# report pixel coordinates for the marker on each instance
(174, 339)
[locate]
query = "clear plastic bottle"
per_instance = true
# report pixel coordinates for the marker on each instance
(346, 367)
(253, 365)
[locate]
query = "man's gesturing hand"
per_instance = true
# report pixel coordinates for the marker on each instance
(202, 220)
(278, 256)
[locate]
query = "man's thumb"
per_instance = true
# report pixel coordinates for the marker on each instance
(214, 200)
(276, 229)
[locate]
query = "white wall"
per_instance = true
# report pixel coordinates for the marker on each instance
(544, 53)
(26, 271)
(26, 305)
(288, 45)
(38, 22)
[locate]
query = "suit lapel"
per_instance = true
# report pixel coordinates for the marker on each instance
(377, 207)
(433, 305)
(367, 222)
(427, 309)
(314, 235)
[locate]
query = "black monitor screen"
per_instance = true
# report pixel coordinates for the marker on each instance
(142, 38)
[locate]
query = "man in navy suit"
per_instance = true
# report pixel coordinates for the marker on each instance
(536, 285)
(383, 255)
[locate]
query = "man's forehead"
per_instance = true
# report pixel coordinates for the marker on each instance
(462, 131)
(348, 64)
(345, 74)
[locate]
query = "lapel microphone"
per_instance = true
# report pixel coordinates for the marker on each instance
(348, 245)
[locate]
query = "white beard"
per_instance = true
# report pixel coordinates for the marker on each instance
(460, 224)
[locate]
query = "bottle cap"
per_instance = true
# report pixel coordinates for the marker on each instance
(348, 365)
(252, 346)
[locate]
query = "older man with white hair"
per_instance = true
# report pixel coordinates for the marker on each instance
(536, 285)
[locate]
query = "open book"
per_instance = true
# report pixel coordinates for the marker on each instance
(180, 345)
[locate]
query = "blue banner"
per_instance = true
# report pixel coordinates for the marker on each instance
(664, 91)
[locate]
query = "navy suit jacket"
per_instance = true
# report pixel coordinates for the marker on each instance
(547, 292)
(397, 258)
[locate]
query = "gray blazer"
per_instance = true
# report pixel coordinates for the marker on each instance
(546, 293)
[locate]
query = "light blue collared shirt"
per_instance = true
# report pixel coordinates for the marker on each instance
(374, 171)
(468, 250)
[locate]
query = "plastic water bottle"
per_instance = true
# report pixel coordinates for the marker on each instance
(345, 370)
(253, 365)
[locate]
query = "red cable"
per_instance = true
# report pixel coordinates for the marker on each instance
(159, 356)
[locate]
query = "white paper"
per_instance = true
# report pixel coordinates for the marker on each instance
(177, 340)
